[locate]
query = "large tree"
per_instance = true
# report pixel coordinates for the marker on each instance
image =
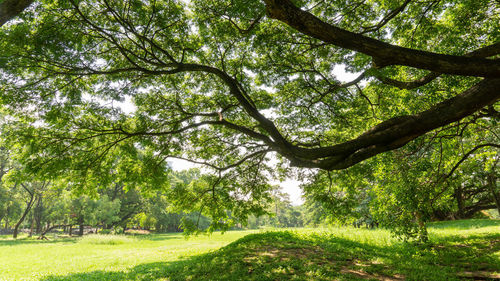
(227, 83)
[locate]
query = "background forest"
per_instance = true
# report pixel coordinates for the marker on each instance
(37, 207)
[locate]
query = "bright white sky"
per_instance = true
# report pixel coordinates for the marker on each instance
(289, 186)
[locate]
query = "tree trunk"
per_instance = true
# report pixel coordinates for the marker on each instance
(11, 8)
(460, 201)
(32, 224)
(38, 214)
(80, 231)
(422, 229)
(494, 192)
(26, 211)
(7, 218)
(42, 235)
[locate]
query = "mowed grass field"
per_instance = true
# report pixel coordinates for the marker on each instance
(459, 250)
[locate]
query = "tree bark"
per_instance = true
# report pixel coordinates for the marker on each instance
(11, 8)
(383, 54)
(396, 132)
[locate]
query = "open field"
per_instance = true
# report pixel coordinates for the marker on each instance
(459, 250)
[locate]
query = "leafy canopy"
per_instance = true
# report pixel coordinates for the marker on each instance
(229, 84)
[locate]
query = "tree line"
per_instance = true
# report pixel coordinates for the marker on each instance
(386, 198)
(40, 206)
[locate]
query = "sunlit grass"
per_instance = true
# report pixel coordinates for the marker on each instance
(106, 239)
(31, 259)
(457, 247)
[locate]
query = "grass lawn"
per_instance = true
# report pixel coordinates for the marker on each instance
(459, 250)
(31, 259)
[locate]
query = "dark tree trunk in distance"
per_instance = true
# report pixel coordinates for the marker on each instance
(80, 222)
(38, 214)
(492, 186)
(460, 201)
(29, 204)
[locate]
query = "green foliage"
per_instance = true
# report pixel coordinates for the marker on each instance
(200, 77)
(404, 190)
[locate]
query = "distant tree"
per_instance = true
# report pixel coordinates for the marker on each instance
(474, 186)
(131, 202)
(279, 213)
(30, 192)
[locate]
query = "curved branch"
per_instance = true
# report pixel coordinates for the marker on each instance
(467, 156)
(483, 52)
(396, 132)
(383, 54)
(386, 136)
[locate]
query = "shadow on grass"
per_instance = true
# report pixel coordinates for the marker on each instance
(8, 241)
(289, 256)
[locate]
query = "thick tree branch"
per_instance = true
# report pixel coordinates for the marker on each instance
(396, 132)
(11, 8)
(484, 52)
(386, 136)
(383, 54)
